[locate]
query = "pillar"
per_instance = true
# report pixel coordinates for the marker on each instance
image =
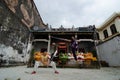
(49, 41)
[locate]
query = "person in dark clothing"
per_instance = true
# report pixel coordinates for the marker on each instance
(74, 46)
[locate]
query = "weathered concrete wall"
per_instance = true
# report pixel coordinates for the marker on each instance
(17, 17)
(13, 34)
(26, 11)
(109, 51)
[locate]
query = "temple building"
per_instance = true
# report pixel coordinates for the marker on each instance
(52, 39)
(46, 37)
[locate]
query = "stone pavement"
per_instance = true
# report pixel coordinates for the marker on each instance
(18, 73)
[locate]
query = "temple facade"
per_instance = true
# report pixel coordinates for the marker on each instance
(52, 39)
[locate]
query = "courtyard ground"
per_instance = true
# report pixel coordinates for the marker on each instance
(19, 73)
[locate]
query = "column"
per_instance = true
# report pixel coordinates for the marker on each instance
(49, 41)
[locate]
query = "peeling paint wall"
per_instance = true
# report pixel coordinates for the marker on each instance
(17, 17)
(13, 35)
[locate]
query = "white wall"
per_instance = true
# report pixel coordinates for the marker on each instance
(109, 51)
(12, 54)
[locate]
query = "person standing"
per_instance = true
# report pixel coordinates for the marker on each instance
(74, 46)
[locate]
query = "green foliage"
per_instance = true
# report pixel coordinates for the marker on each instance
(63, 58)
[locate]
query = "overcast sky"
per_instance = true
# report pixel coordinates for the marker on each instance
(76, 12)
